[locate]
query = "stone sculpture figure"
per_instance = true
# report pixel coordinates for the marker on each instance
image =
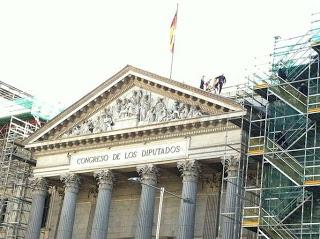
(139, 95)
(108, 122)
(197, 112)
(135, 98)
(176, 110)
(184, 111)
(90, 125)
(133, 108)
(151, 115)
(74, 131)
(140, 104)
(84, 127)
(124, 109)
(160, 110)
(97, 125)
(144, 108)
(117, 108)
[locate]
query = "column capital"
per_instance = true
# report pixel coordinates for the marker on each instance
(189, 169)
(71, 182)
(105, 178)
(149, 174)
(39, 185)
(231, 164)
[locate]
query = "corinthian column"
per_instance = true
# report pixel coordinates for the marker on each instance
(149, 176)
(101, 215)
(39, 193)
(229, 227)
(190, 172)
(71, 190)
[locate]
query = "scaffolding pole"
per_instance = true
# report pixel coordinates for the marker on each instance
(15, 169)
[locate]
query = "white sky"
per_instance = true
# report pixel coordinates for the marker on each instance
(60, 50)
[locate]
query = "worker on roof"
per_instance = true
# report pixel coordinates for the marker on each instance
(221, 80)
(211, 85)
(202, 83)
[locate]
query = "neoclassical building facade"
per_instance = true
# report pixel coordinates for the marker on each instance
(141, 126)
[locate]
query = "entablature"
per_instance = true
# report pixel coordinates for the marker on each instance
(145, 133)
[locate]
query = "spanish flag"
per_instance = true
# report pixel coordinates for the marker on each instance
(173, 31)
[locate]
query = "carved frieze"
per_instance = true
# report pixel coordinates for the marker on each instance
(136, 107)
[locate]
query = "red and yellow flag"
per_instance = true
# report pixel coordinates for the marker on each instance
(173, 31)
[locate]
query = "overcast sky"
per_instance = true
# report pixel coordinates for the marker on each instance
(60, 50)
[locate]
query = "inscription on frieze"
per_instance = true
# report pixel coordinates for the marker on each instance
(132, 155)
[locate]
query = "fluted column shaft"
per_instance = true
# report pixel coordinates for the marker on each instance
(229, 220)
(190, 171)
(148, 176)
(68, 210)
(101, 215)
(40, 191)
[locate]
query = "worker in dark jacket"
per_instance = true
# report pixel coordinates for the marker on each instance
(303, 88)
(202, 83)
(282, 74)
(221, 81)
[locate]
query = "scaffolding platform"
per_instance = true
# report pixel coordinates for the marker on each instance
(282, 164)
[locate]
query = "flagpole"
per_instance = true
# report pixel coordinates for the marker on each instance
(172, 52)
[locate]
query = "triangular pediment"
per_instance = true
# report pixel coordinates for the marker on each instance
(130, 99)
(136, 107)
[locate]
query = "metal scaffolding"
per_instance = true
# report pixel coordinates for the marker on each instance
(20, 116)
(282, 164)
(15, 168)
(232, 169)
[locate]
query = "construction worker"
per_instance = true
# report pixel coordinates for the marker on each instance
(202, 83)
(221, 80)
(282, 74)
(303, 88)
(281, 140)
(211, 85)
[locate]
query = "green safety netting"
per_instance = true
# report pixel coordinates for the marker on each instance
(30, 107)
(315, 27)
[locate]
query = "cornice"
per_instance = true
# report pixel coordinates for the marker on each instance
(147, 136)
(189, 123)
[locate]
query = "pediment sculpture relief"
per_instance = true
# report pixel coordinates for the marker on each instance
(135, 108)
